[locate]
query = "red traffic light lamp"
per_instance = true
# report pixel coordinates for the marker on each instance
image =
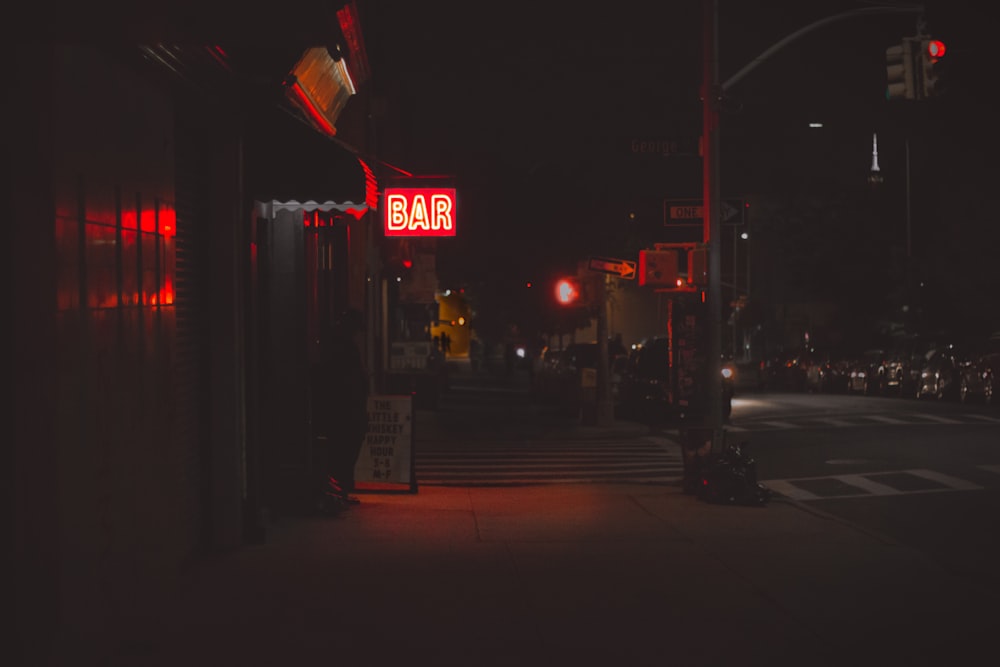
(567, 291)
(930, 52)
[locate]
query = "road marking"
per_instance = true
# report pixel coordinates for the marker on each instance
(789, 490)
(836, 422)
(984, 418)
(947, 480)
(886, 420)
(911, 419)
(935, 418)
(990, 468)
(871, 486)
(779, 424)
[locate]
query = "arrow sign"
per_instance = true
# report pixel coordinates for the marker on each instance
(622, 267)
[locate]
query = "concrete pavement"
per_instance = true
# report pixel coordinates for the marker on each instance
(564, 575)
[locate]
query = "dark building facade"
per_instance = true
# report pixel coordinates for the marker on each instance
(180, 230)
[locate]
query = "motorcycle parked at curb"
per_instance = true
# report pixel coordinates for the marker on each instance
(730, 478)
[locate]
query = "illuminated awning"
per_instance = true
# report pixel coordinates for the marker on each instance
(269, 209)
(320, 85)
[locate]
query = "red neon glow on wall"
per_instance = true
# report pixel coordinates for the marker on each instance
(314, 114)
(418, 211)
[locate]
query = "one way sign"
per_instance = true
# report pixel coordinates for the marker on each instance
(621, 267)
(689, 211)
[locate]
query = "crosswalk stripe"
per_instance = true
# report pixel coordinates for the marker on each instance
(868, 485)
(947, 480)
(936, 418)
(908, 419)
(835, 422)
(520, 465)
(651, 459)
(886, 420)
(985, 418)
(778, 424)
(991, 468)
(508, 480)
(789, 490)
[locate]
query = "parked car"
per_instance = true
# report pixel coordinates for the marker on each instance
(645, 393)
(784, 371)
(903, 362)
(865, 373)
(827, 372)
(558, 375)
(941, 371)
(978, 373)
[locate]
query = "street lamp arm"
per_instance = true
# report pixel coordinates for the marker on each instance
(864, 11)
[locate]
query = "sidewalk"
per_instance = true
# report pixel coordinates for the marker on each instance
(565, 575)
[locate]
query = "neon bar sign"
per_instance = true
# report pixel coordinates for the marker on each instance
(419, 211)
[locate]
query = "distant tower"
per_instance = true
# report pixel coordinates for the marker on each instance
(875, 176)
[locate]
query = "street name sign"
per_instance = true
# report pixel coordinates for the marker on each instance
(621, 267)
(689, 211)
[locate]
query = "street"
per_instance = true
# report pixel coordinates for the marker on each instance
(924, 473)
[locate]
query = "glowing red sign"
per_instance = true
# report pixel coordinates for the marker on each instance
(419, 211)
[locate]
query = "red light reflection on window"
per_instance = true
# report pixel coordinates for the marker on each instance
(168, 221)
(147, 220)
(129, 219)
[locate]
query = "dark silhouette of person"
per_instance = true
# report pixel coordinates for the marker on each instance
(445, 342)
(340, 411)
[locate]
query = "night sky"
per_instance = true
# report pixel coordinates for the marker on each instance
(533, 108)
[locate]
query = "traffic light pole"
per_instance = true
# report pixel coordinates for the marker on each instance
(777, 46)
(605, 406)
(711, 96)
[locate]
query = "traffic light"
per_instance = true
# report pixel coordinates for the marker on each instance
(658, 268)
(900, 84)
(567, 291)
(931, 51)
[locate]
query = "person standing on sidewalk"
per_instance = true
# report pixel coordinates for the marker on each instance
(341, 410)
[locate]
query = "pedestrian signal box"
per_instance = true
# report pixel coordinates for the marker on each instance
(698, 266)
(659, 268)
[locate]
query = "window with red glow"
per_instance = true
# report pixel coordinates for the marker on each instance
(128, 255)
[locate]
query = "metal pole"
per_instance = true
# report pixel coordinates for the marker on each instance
(736, 295)
(908, 245)
(853, 13)
(605, 409)
(747, 335)
(710, 208)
